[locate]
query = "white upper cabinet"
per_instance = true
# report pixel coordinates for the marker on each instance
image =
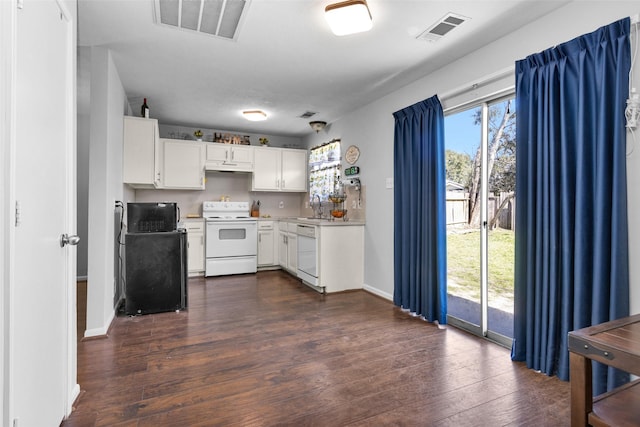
(141, 151)
(279, 169)
(294, 170)
(266, 169)
(229, 157)
(182, 164)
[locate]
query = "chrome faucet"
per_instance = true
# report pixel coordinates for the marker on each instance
(319, 205)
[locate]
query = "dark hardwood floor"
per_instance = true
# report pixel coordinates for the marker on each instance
(264, 350)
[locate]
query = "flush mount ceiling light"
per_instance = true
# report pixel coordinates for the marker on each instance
(254, 115)
(317, 125)
(348, 17)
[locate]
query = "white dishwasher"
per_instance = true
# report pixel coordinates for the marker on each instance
(307, 254)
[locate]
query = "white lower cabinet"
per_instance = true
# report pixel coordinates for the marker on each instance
(338, 255)
(267, 244)
(195, 246)
(292, 252)
(341, 258)
(282, 245)
(288, 247)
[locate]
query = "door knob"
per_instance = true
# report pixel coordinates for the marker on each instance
(65, 239)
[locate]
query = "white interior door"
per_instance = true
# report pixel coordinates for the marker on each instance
(44, 141)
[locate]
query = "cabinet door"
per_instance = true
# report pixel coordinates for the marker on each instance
(140, 151)
(195, 252)
(242, 155)
(292, 252)
(227, 157)
(266, 169)
(294, 170)
(217, 153)
(282, 249)
(183, 164)
(265, 247)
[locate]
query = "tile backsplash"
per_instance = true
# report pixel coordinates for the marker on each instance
(236, 186)
(355, 204)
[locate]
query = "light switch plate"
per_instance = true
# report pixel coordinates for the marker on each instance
(389, 183)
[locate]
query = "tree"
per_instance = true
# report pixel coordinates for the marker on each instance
(458, 167)
(500, 155)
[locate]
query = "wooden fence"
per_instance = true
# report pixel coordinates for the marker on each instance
(458, 209)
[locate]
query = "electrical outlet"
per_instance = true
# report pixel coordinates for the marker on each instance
(306, 205)
(281, 204)
(353, 204)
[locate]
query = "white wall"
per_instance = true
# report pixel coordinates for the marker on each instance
(108, 105)
(371, 127)
(84, 132)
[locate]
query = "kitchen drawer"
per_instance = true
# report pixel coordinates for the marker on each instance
(265, 225)
(194, 226)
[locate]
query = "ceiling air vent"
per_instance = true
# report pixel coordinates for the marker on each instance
(442, 27)
(219, 18)
(307, 114)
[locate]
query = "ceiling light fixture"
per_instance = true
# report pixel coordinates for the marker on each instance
(348, 17)
(317, 126)
(254, 115)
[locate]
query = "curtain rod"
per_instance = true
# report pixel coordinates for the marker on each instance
(482, 82)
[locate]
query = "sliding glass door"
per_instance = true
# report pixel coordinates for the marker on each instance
(480, 160)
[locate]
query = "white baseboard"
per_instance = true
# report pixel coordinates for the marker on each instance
(378, 292)
(101, 331)
(73, 395)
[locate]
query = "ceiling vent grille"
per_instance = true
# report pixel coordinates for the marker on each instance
(307, 114)
(442, 27)
(220, 18)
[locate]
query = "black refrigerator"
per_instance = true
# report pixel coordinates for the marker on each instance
(155, 271)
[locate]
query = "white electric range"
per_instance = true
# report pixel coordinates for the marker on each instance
(231, 239)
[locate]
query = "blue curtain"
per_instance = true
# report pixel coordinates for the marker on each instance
(571, 231)
(420, 251)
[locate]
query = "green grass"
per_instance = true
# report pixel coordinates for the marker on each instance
(463, 264)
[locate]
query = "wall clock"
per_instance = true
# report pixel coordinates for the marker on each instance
(352, 154)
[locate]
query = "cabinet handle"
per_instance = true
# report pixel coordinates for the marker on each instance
(233, 155)
(259, 237)
(226, 155)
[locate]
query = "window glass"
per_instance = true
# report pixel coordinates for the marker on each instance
(324, 170)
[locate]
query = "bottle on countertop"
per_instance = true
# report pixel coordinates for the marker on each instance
(144, 110)
(255, 209)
